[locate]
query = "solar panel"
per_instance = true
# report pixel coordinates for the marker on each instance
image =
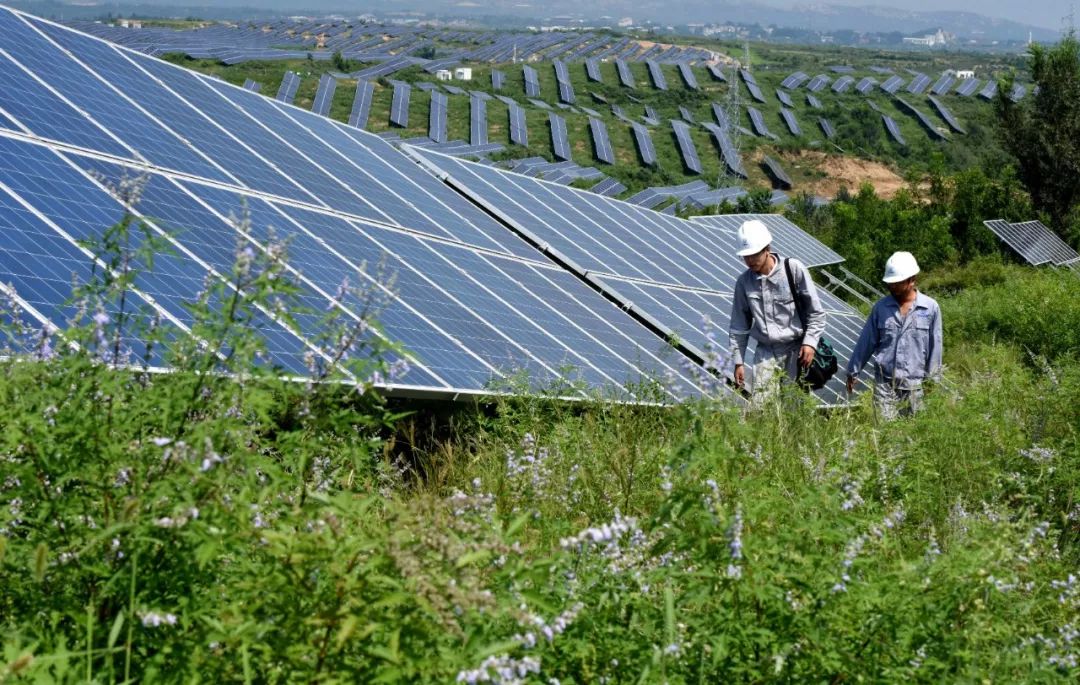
(324, 96)
(918, 84)
(842, 69)
(758, 122)
(688, 76)
(626, 77)
(784, 98)
(732, 160)
(519, 130)
(253, 86)
(1033, 241)
(686, 146)
(791, 121)
(826, 128)
(399, 105)
(893, 129)
(540, 103)
(747, 77)
(287, 90)
(842, 84)
(566, 92)
(686, 115)
(755, 92)
(788, 239)
(656, 75)
(644, 144)
(776, 172)
(813, 102)
(927, 124)
(967, 87)
(717, 73)
(478, 128)
(1018, 93)
(559, 141)
(497, 79)
(592, 70)
(989, 91)
(943, 84)
(601, 141)
(609, 187)
(818, 82)
(361, 108)
(453, 90)
(866, 85)
(561, 73)
(437, 117)
(946, 114)
(795, 80)
(532, 81)
(892, 84)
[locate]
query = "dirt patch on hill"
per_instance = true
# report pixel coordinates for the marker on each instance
(846, 171)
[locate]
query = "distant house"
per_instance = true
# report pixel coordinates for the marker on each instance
(965, 74)
(463, 73)
(444, 75)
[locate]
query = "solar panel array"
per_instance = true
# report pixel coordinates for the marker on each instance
(827, 128)
(717, 73)
(687, 116)
(893, 129)
(795, 80)
(592, 70)
(791, 121)
(755, 91)
(399, 104)
(562, 79)
(918, 84)
(813, 102)
(989, 91)
(559, 141)
(758, 122)
(686, 146)
(437, 117)
(842, 84)
(967, 87)
(818, 82)
(609, 187)
(532, 81)
(784, 98)
(324, 95)
(728, 152)
(287, 90)
(453, 90)
(656, 74)
(788, 239)
(498, 79)
(361, 108)
(892, 84)
(946, 114)
(601, 141)
(926, 122)
(943, 84)
(776, 172)
(1036, 243)
(747, 77)
(1018, 93)
(253, 86)
(645, 148)
(626, 77)
(519, 129)
(688, 76)
(866, 85)
(478, 128)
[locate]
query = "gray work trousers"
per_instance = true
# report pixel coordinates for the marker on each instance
(773, 365)
(894, 398)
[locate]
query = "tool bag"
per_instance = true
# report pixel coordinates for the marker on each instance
(825, 363)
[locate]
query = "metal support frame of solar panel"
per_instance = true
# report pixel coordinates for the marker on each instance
(686, 146)
(592, 70)
(643, 140)
(688, 76)
(626, 77)
(758, 121)
(1033, 241)
(287, 90)
(324, 95)
(892, 84)
(601, 142)
(560, 143)
(918, 84)
(532, 81)
(927, 122)
(791, 121)
(361, 108)
(795, 80)
(945, 114)
(656, 75)
(779, 177)
(893, 129)
(967, 87)
(253, 86)
(728, 152)
(813, 101)
(210, 149)
(399, 104)
(478, 128)
(437, 117)
(842, 84)
(818, 82)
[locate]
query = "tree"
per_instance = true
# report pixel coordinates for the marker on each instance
(1042, 131)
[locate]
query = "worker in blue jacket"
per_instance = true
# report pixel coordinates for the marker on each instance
(903, 336)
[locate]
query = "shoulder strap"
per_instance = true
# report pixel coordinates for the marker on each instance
(794, 292)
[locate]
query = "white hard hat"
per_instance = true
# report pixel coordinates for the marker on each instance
(752, 237)
(900, 267)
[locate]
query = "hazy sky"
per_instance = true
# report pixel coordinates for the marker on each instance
(1045, 13)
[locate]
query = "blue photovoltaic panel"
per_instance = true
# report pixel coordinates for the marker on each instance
(788, 239)
(559, 141)
(361, 108)
(253, 86)
(1036, 243)
(609, 187)
(688, 76)
(892, 84)
(324, 96)
(746, 76)
(758, 122)
(791, 121)
(686, 115)
(918, 84)
(946, 115)
(497, 79)
(755, 91)
(927, 124)
(989, 90)
(620, 114)
(453, 90)
(479, 94)
(866, 85)
(813, 102)
(967, 87)
(826, 128)
(728, 152)
(399, 105)
(478, 129)
(1018, 93)
(532, 81)
(287, 90)
(717, 73)
(626, 77)
(893, 129)
(601, 141)
(795, 80)
(784, 98)
(943, 84)
(519, 130)
(644, 144)
(592, 70)
(686, 146)
(842, 84)
(566, 93)
(818, 82)
(437, 117)
(561, 74)
(842, 69)
(776, 172)
(656, 74)
(540, 103)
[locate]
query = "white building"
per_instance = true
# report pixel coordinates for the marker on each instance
(965, 74)
(463, 73)
(443, 75)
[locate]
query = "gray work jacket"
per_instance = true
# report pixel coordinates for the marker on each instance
(904, 348)
(764, 308)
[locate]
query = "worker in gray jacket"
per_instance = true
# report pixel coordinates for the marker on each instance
(903, 335)
(764, 309)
